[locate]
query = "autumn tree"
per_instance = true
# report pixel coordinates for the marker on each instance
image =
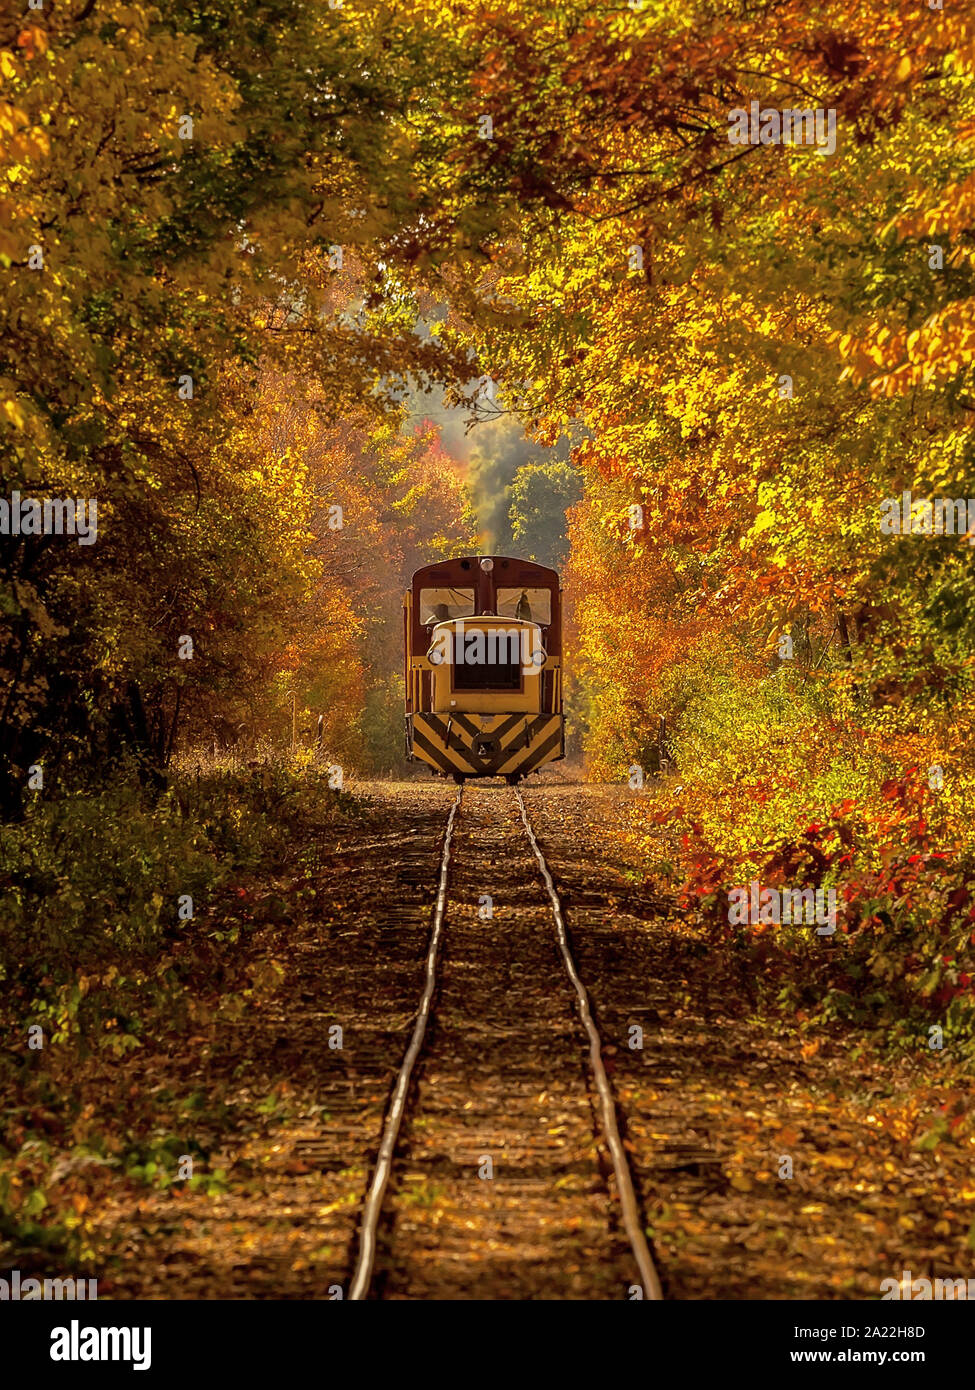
(192, 198)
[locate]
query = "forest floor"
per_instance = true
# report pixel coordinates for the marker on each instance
(772, 1162)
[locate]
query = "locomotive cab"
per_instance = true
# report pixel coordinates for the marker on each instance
(483, 667)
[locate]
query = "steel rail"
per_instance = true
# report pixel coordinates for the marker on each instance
(372, 1207)
(624, 1180)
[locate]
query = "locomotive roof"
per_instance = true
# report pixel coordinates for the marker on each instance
(504, 566)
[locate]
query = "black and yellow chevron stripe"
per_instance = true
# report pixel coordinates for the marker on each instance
(485, 745)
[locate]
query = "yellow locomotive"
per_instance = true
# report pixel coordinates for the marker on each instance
(483, 639)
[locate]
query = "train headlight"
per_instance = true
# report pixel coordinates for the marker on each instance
(487, 565)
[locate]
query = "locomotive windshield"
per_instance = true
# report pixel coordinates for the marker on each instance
(533, 605)
(438, 605)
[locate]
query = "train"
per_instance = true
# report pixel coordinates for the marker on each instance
(483, 667)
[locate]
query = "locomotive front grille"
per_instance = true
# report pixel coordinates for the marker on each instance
(491, 676)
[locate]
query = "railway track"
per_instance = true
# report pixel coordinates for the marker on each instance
(500, 1153)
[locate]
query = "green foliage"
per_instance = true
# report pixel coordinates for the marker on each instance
(501, 450)
(540, 495)
(382, 728)
(90, 889)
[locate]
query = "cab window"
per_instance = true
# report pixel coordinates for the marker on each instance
(438, 605)
(533, 605)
